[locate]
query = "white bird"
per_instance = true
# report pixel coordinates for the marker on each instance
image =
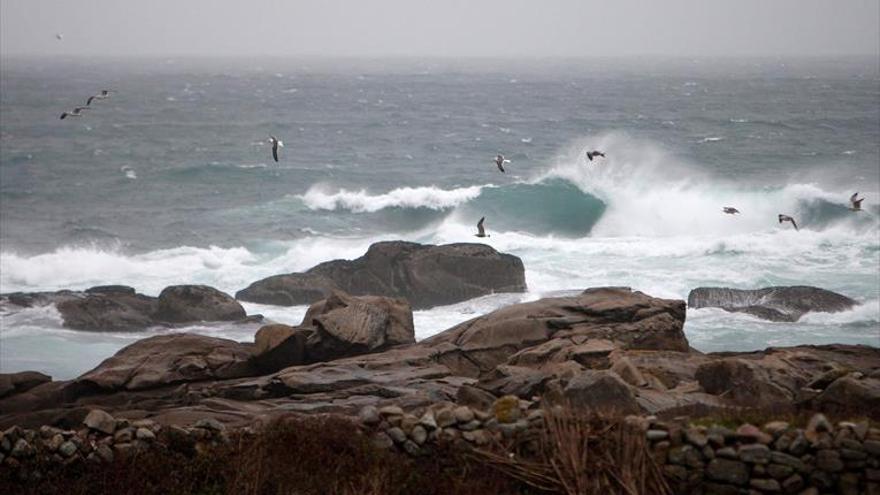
(104, 94)
(276, 143)
(500, 161)
(855, 202)
(73, 113)
(481, 232)
(786, 218)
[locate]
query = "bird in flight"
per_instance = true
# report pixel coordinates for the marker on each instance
(786, 218)
(500, 161)
(104, 94)
(591, 154)
(59, 36)
(855, 202)
(276, 143)
(730, 210)
(481, 232)
(76, 112)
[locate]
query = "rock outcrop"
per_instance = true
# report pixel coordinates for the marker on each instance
(278, 346)
(346, 325)
(119, 308)
(169, 359)
(187, 303)
(424, 275)
(604, 349)
(584, 329)
(336, 327)
(113, 308)
(771, 303)
(16, 383)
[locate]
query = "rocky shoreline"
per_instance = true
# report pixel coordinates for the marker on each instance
(607, 351)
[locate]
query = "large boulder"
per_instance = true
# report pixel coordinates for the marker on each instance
(348, 325)
(339, 326)
(601, 391)
(189, 303)
(850, 395)
(279, 346)
(169, 359)
(741, 381)
(288, 290)
(425, 275)
(771, 303)
(583, 328)
(108, 308)
(119, 308)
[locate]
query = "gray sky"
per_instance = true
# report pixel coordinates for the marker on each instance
(507, 28)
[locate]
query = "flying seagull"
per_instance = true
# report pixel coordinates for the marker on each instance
(856, 202)
(500, 161)
(730, 210)
(786, 218)
(59, 36)
(591, 154)
(481, 232)
(104, 94)
(73, 113)
(276, 143)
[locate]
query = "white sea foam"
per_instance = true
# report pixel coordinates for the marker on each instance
(319, 198)
(662, 232)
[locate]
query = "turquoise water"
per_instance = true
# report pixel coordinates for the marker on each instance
(171, 181)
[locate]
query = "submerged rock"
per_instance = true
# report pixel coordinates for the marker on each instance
(771, 303)
(425, 275)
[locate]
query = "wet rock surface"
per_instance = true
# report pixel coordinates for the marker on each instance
(489, 378)
(425, 275)
(120, 308)
(771, 303)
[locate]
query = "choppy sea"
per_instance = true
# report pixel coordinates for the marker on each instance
(171, 181)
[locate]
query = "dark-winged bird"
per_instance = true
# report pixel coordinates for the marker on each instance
(481, 232)
(786, 218)
(103, 95)
(76, 112)
(855, 202)
(276, 143)
(500, 161)
(591, 154)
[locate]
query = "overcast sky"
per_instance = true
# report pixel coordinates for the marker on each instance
(507, 28)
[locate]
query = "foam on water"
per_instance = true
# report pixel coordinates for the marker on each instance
(319, 198)
(642, 217)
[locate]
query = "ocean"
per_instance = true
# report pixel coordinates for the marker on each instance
(171, 181)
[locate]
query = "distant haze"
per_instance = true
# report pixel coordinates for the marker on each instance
(451, 28)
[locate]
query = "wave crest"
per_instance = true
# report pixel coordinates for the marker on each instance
(430, 197)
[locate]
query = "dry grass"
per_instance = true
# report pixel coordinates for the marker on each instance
(578, 454)
(301, 455)
(575, 454)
